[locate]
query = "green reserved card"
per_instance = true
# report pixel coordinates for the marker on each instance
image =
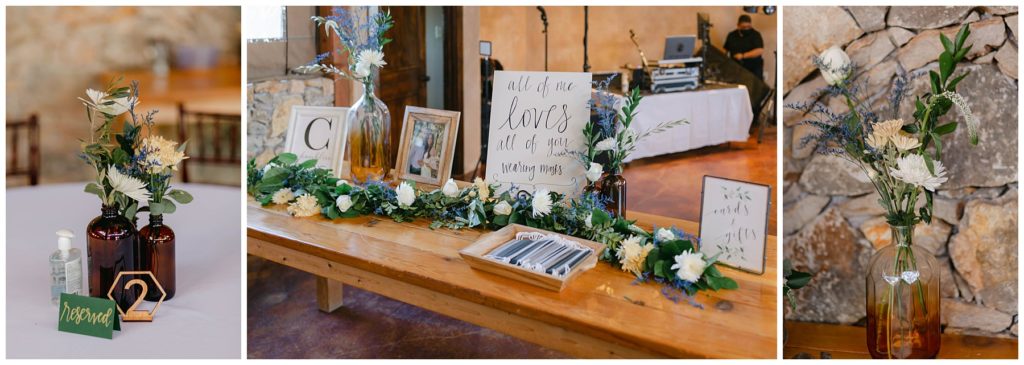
(88, 316)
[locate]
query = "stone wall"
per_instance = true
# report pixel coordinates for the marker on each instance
(832, 221)
(270, 103)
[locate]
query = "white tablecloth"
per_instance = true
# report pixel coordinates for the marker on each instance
(716, 116)
(203, 320)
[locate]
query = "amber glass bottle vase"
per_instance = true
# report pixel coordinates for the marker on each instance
(157, 250)
(111, 246)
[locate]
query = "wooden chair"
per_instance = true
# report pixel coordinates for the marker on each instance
(213, 138)
(18, 132)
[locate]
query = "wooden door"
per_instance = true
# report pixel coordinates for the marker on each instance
(403, 82)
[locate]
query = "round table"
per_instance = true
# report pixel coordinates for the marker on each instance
(203, 320)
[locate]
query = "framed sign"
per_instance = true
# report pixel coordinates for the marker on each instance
(318, 132)
(537, 121)
(427, 146)
(734, 222)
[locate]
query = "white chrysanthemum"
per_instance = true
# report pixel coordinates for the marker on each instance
(595, 171)
(304, 206)
(876, 141)
(589, 220)
(664, 235)
(361, 71)
(406, 195)
(450, 189)
(606, 144)
(371, 57)
(689, 266)
(283, 196)
(965, 110)
(904, 142)
(482, 188)
(162, 155)
(502, 208)
(127, 185)
(541, 203)
(888, 129)
(343, 202)
(632, 254)
(913, 170)
(835, 65)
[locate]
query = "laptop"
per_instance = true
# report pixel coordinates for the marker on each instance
(678, 48)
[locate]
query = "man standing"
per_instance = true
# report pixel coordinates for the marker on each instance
(746, 46)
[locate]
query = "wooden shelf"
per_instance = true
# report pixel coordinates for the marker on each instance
(849, 342)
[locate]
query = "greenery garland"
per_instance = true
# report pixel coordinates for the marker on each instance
(667, 256)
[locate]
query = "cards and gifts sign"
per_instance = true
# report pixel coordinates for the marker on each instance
(537, 119)
(734, 222)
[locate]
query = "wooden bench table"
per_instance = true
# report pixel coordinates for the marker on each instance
(601, 314)
(849, 342)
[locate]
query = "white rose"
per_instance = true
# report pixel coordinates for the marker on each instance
(835, 66)
(406, 195)
(595, 171)
(450, 189)
(344, 202)
(481, 186)
(589, 221)
(502, 208)
(541, 203)
(341, 182)
(606, 144)
(268, 166)
(665, 235)
(690, 266)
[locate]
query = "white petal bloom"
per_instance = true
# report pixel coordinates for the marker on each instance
(664, 235)
(371, 57)
(589, 220)
(905, 142)
(305, 206)
(406, 195)
(887, 129)
(632, 254)
(876, 141)
(127, 185)
(283, 196)
(689, 266)
(913, 170)
(606, 144)
(450, 189)
(482, 188)
(502, 208)
(343, 202)
(119, 106)
(541, 203)
(835, 65)
(95, 95)
(362, 70)
(594, 172)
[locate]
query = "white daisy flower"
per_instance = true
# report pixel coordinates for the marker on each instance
(913, 170)
(127, 185)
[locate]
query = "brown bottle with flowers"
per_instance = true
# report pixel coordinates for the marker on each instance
(111, 247)
(156, 247)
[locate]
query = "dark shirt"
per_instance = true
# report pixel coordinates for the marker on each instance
(736, 43)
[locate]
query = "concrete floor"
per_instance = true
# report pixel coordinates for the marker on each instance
(284, 322)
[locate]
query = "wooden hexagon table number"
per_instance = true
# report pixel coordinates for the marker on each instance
(132, 314)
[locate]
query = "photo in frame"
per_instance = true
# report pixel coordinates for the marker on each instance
(734, 222)
(427, 145)
(320, 133)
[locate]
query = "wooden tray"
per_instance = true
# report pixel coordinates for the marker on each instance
(474, 256)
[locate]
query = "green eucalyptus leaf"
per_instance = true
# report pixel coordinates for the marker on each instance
(286, 158)
(308, 164)
(169, 207)
(156, 208)
(180, 196)
(93, 188)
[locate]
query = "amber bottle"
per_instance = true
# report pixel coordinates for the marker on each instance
(157, 248)
(613, 188)
(111, 246)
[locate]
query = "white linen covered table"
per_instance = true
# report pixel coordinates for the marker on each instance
(717, 115)
(203, 320)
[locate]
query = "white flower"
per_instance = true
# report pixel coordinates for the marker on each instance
(913, 170)
(905, 143)
(371, 57)
(606, 144)
(343, 202)
(305, 206)
(127, 185)
(98, 99)
(664, 235)
(835, 65)
(632, 254)
(690, 266)
(283, 196)
(541, 203)
(341, 182)
(876, 141)
(162, 155)
(888, 129)
(361, 71)
(119, 106)
(483, 188)
(502, 208)
(450, 189)
(589, 220)
(595, 171)
(406, 195)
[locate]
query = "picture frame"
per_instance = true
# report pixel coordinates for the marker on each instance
(430, 135)
(734, 222)
(318, 132)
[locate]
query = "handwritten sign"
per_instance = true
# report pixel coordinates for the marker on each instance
(734, 222)
(318, 133)
(88, 316)
(536, 119)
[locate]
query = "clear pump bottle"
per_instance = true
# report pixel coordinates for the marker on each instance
(65, 267)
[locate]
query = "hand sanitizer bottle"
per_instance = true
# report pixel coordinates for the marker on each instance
(65, 267)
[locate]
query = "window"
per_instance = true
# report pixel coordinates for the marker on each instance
(265, 23)
(278, 39)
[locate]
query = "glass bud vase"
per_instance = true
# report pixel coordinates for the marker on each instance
(369, 137)
(903, 300)
(156, 243)
(613, 188)
(112, 244)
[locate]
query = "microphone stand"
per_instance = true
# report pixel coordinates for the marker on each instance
(544, 18)
(586, 30)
